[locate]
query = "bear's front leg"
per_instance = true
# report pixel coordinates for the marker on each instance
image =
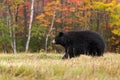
(68, 53)
(65, 56)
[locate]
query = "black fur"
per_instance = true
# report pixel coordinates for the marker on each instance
(80, 42)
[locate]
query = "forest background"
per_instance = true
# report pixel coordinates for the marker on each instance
(30, 25)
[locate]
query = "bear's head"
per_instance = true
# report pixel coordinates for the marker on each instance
(61, 38)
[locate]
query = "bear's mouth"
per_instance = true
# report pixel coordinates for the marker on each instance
(53, 41)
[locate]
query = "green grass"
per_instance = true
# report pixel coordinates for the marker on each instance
(41, 66)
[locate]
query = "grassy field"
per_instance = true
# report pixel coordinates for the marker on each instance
(50, 67)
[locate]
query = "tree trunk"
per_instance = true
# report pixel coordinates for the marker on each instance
(11, 29)
(47, 36)
(14, 41)
(25, 26)
(30, 25)
(15, 19)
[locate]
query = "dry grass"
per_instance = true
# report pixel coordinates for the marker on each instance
(50, 67)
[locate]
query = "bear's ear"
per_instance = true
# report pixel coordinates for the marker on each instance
(60, 34)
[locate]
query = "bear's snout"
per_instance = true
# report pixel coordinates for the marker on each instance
(53, 41)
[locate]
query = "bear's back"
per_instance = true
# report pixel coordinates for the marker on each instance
(84, 35)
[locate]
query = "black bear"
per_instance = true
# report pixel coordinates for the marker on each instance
(80, 42)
